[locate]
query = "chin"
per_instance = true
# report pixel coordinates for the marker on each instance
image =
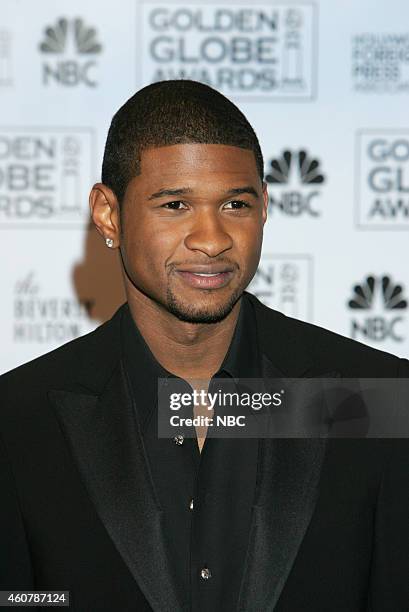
(202, 313)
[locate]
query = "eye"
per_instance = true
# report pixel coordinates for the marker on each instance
(173, 205)
(237, 205)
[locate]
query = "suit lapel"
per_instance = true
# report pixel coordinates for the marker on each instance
(104, 438)
(286, 494)
(289, 475)
(290, 472)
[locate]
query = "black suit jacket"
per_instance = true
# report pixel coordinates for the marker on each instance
(330, 522)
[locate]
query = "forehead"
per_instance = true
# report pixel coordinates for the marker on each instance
(195, 161)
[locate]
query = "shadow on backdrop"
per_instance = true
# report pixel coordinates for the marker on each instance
(97, 279)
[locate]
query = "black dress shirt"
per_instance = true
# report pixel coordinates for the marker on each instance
(206, 497)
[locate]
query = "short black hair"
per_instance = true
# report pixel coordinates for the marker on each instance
(167, 113)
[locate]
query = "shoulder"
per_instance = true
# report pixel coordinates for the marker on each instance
(326, 348)
(347, 355)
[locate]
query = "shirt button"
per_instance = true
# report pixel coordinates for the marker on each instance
(178, 440)
(191, 504)
(205, 573)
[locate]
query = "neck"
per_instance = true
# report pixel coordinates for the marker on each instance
(178, 346)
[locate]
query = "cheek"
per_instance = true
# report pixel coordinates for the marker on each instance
(148, 246)
(248, 245)
(248, 240)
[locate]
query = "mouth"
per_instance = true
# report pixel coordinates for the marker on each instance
(206, 279)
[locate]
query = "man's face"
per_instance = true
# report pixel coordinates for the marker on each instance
(192, 226)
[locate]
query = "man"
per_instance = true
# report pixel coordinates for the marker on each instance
(96, 503)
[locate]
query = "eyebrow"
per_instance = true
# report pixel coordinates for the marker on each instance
(184, 190)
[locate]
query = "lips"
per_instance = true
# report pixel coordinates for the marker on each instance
(206, 269)
(206, 277)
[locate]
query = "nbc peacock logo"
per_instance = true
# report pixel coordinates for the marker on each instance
(299, 175)
(378, 303)
(71, 48)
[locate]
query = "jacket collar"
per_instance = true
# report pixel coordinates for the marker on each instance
(286, 345)
(282, 349)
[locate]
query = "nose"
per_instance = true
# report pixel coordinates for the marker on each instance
(208, 235)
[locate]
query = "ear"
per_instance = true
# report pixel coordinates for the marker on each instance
(105, 213)
(265, 202)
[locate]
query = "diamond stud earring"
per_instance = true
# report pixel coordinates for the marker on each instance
(109, 242)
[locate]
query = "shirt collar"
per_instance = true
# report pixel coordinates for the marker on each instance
(242, 359)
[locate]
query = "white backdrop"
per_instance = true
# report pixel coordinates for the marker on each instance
(326, 87)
